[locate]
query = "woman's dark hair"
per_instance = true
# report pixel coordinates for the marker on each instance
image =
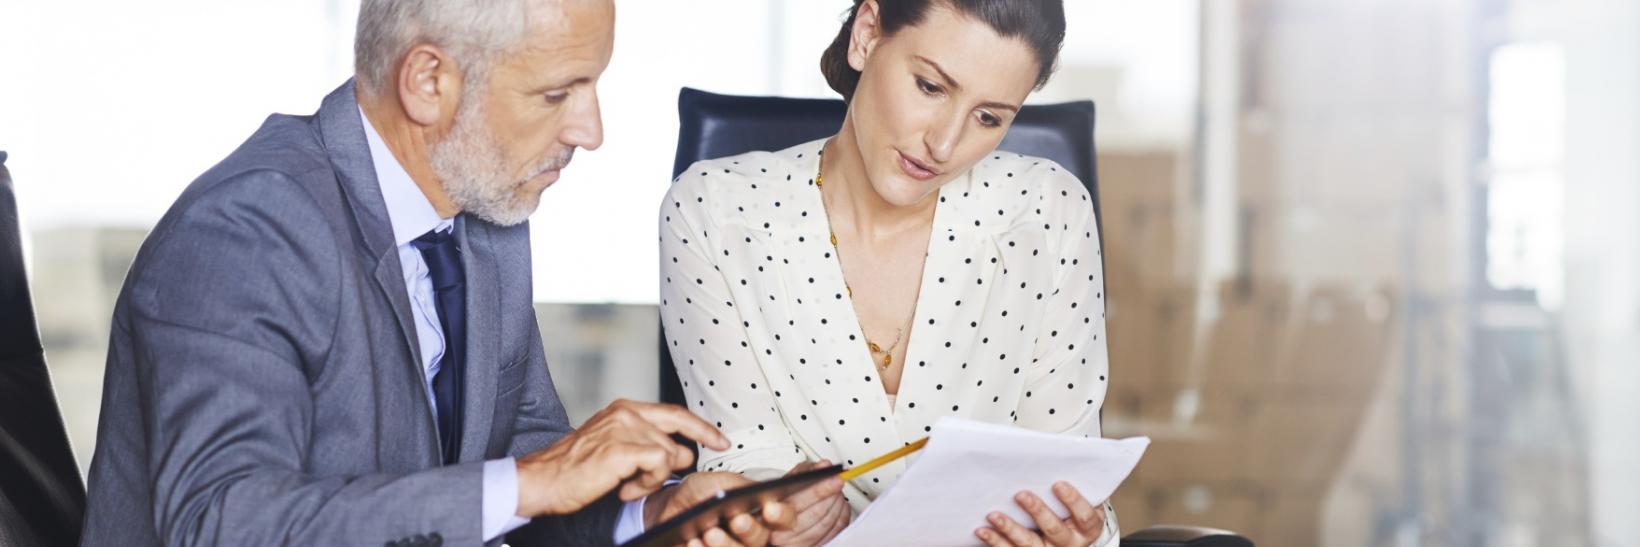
(1039, 23)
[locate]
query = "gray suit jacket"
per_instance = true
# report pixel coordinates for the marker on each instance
(263, 384)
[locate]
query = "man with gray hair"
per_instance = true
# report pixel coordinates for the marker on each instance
(329, 338)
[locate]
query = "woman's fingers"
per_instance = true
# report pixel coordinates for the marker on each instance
(1013, 531)
(1053, 528)
(1090, 520)
(838, 517)
(825, 490)
(716, 537)
(749, 531)
(992, 538)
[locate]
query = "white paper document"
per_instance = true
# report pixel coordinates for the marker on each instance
(970, 469)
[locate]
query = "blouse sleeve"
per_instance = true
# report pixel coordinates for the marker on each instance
(1065, 384)
(710, 349)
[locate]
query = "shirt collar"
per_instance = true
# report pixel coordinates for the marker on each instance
(408, 210)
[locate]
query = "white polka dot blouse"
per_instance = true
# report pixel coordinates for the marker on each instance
(1009, 325)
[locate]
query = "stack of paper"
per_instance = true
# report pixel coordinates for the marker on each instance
(970, 469)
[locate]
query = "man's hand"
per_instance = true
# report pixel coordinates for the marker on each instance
(627, 444)
(744, 530)
(821, 511)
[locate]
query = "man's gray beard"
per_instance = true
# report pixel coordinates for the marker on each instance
(473, 169)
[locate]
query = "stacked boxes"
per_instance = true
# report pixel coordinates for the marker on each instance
(1253, 406)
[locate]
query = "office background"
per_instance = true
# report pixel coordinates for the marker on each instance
(1374, 266)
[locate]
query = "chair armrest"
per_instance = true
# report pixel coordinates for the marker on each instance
(1184, 536)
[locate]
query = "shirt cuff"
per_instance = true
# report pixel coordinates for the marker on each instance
(500, 509)
(630, 523)
(1111, 536)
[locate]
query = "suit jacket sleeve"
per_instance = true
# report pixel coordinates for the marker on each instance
(231, 314)
(541, 422)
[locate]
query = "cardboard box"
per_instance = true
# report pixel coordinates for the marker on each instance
(1340, 344)
(1300, 442)
(1241, 344)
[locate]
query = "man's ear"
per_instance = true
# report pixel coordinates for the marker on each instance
(428, 85)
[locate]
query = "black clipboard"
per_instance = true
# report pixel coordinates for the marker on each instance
(717, 511)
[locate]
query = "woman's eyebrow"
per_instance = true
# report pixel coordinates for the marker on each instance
(952, 82)
(949, 81)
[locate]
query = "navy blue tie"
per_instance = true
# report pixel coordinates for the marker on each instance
(443, 257)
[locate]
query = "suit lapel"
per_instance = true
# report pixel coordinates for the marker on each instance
(483, 336)
(389, 278)
(341, 130)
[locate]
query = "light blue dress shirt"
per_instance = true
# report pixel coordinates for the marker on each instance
(412, 215)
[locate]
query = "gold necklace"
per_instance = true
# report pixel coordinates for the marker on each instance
(899, 334)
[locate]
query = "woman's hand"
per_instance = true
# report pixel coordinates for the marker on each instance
(1080, 530)
(742, 531)
(821, 511)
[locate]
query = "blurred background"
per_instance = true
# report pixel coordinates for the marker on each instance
(1373, 265)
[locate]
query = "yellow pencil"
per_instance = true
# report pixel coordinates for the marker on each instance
(883, 459)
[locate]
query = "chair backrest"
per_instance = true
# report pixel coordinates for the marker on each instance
(714, 126)
(41, 495)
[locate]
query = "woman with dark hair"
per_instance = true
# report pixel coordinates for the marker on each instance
(829, 302)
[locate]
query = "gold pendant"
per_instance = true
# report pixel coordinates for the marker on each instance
(874, 347)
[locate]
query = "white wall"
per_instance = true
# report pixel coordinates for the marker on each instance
(1602, 306)
(109, 108)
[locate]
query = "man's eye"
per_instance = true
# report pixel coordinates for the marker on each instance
(556, 97)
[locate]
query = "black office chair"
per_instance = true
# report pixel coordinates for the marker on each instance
(41, 495)
(714, 126)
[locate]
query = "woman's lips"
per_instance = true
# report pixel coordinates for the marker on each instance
(916, 169)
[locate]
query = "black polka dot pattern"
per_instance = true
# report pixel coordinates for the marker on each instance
(1011, 302)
